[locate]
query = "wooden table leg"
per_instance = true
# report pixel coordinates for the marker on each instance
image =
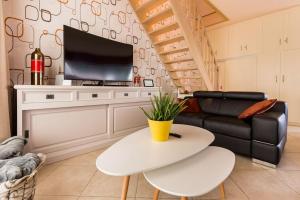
(184, 198)
(156, 194)
(222, 191)
(125, 187)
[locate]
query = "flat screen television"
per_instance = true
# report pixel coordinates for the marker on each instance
(93, 58)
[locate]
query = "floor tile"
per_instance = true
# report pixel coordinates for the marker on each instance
(66, 180)
(56, 198)
(293, 143)
(289, 161)
(261, 184)
(244, 163)
(108, 186)
(102, 198)
(46, 171)
(232, 192)
(84, 159)
(291, 178)
(145, 190)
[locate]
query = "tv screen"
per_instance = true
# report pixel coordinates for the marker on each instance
(89, 57)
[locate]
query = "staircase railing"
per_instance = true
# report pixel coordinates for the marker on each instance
(195, 25)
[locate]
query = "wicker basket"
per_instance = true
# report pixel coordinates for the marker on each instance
(21, 189)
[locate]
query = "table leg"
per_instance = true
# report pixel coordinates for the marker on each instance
(184, 198)
(125, 187)
(222, 191)
(156, 194)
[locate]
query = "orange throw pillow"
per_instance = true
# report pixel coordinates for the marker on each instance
(258, 108)
(192, 106)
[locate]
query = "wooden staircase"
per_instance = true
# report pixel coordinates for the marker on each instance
(177, 31)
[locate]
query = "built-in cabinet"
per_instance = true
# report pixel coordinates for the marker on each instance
(244, 70)
(263, 54)
(63, 121)
(244, 39)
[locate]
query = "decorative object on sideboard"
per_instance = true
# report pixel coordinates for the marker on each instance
(137, 81)
(148, 83)
(160, 118)
(37, 67)
(60, 79)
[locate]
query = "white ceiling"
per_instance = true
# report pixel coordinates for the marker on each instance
(237, 10)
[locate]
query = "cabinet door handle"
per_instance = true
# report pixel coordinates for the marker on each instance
(246, 47)
(149, 93)
(286, 40)
(283, 78)
(50, 96)
(276, 79)
(94, 95)
(125, 94)
(241, 47)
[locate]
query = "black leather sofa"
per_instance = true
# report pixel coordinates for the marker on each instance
(261, 137)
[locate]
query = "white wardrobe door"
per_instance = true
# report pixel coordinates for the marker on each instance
(292, 29)
(272, 39)
(236, 41)
(240, 74)
(290, 86)
(268, 74)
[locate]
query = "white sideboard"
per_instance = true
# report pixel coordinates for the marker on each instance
(63, 121)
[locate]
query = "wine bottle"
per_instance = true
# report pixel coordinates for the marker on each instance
(37, 67)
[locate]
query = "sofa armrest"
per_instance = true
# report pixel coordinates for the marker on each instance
(280, 107)
(269, 127)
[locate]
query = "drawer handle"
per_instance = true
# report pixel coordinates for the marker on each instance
(149, 93)
(50, 96)
(125, 94)
(94, 95)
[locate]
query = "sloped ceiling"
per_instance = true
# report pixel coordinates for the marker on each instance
(238, 10)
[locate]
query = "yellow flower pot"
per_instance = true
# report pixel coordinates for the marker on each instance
(160, 130)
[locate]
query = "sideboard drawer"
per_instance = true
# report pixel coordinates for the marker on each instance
(149, 93)
(42, 97)
(92, 96)
(125, 95)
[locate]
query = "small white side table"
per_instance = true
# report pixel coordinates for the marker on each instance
(194, 176)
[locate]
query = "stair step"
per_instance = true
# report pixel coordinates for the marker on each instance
(169, 41)
(159, 16)
(196, 77)
(183, 69)
(173, 51)
(179, 60)
(149, 5)
(164, 29)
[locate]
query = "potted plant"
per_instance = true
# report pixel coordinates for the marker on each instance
(160, 119)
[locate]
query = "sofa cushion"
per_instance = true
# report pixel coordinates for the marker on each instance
(193, 119)
(258, 108)
(234, 107)
(229, 126)
(192, 105)
(210, 105)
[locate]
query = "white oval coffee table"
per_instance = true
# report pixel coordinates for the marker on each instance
(194, 176)
(138, 153)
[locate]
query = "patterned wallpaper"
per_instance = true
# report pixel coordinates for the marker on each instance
(38, 23)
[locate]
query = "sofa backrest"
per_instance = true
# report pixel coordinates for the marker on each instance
(209, 102)
(227, 103)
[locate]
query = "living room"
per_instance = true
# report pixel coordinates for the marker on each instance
(149, 99)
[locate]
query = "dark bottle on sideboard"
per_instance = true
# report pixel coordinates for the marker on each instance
(37, 67)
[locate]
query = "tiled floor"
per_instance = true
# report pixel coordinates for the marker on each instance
(78, 179)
